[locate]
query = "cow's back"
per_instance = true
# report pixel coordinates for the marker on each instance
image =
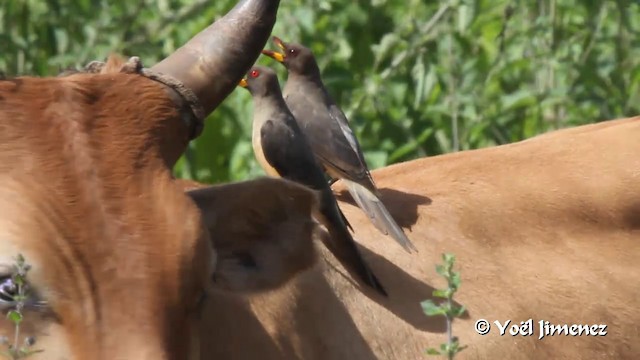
(545, 229)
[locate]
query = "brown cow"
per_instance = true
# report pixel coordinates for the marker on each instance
(546, 229)
(120, 256)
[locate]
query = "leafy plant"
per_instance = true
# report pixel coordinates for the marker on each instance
(447, 308)
(15, 315)
(416, 78)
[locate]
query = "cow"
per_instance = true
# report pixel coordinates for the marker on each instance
(124, 258)
(120, 258)
(546, 229)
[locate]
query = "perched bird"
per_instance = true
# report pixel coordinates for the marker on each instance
(283, 151)
(327, 130)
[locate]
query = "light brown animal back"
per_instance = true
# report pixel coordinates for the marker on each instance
(547, 229)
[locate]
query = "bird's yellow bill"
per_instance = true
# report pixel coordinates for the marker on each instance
(274, 55)
(279, 43)
(243, 83)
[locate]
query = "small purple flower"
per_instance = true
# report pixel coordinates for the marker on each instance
(8, 289)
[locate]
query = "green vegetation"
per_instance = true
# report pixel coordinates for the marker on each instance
(447, 308)
(415, 77)
(15, 314)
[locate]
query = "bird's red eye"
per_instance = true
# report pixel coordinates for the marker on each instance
(292, 51)
(255, 73)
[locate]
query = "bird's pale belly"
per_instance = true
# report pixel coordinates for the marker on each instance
(257, 150)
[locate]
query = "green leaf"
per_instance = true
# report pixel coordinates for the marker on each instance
(381, 49)
(18, 280)
(403, 151)
(458, 311)
(14, 316)
(455, 280)
(449, 258)
(433, 351)
(441, 293)
(431, 309)
(376, 159)
(441, 270)
(19, 298)
(20, 260)
(419, 75)
(443, 140)
(464, 18)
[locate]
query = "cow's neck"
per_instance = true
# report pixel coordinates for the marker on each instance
(93, 156)
(139, 121)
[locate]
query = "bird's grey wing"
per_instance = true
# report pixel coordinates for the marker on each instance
(330, 137)
(341, 119)
(289, 155)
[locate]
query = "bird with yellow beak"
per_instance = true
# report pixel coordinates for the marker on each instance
(331, 139)
(282, 150)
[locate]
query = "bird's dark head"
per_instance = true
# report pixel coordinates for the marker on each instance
(261, 81)
(295, 57)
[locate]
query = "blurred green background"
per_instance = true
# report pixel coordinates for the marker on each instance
(415, 77)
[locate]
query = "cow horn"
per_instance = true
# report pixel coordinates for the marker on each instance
(213, 61)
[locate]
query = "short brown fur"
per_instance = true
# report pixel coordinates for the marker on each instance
(119, 252)
(547, 229)
(273, 225)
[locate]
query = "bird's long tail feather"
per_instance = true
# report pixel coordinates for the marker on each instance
(343, 246)
(378, 214)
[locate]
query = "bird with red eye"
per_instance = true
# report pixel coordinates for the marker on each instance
(282, 150)
(254, 82)
(253, 73)
(332, 140)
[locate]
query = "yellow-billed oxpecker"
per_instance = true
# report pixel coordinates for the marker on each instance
(283, 151)
(327, 130)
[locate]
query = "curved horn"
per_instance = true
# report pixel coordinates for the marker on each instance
(213, 61)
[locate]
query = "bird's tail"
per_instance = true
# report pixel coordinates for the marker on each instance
(378, 214)
(343, 246)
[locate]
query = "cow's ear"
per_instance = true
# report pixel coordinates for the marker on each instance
(262, 231)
